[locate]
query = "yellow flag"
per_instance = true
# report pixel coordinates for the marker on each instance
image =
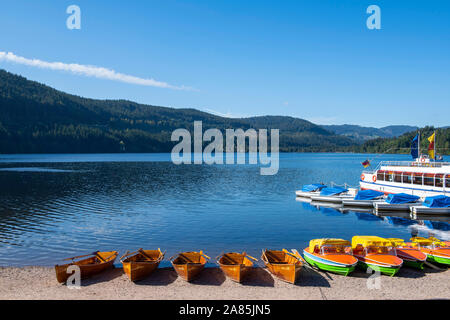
(431, 146)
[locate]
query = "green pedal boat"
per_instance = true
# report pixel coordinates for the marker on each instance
(437, 251)
(333, 255)
(376, 253)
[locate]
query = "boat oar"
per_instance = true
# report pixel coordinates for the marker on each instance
(248, 256)
(299, 258)
(141, 251)
(432, 266)
(202, 254)
(86, 255)
(305, 263)
(106, 260)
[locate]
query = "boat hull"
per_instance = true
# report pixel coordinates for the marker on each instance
(235, 266)
(387, 270)
(326, 265)
(88, 267)
(141, 264)
(188, 265)
(440, 259)
(282, 266)
(411, 257)
(359, 203)
(332, 199)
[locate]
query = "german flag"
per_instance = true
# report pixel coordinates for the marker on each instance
(366, 163)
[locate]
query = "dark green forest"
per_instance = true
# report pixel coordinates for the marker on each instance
(402, 144)
(35, 118)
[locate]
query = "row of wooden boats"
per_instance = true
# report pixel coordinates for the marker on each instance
(333, 255)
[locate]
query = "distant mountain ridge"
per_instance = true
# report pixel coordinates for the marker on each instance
(361, 134)
(35, 118)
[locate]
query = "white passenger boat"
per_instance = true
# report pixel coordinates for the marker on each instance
(422, 177)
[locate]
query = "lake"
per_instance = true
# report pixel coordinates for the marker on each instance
(57, 206)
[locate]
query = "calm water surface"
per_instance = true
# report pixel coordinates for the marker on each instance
(55, 206)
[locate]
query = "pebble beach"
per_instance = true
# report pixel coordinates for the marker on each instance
(39, 283)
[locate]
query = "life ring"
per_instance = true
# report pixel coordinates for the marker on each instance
(422, 160)
(374, 178)
(362, 177)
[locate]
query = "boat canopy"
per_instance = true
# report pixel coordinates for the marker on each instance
(332, 191)
(313, 187)
(396, 242)
(327, 241)
(440, 201)
(368, 195)
(367, 241)
(426, 242)
(401, 198)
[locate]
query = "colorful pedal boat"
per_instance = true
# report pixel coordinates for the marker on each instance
(411, 256)
(235, 265)
(333, 255)
(189, 264)
(283, 264)
(141, 263)
(376, 253)
(92, 264)
(437, 251)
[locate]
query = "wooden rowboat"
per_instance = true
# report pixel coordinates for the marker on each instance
(92, 264)
(283, 264)
(141, 263)
(189, 264)
(235, 265)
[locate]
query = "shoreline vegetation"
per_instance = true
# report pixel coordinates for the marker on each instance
(40, 283)
(37, 119)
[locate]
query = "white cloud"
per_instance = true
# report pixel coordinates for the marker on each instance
(88, 70)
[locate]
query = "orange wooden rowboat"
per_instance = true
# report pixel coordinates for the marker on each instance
(189, 264)
(283, 264)
(92, 264)
(141, 263)
(235, 265)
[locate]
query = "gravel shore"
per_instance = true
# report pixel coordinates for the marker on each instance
(40, 283)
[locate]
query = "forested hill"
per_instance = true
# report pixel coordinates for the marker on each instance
(35, 118)
(361, 134)
(402, 144)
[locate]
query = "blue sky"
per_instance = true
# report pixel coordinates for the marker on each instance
(309, 59)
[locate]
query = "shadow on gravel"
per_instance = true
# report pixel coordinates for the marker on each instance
(105, 276)
(259, 277)
(313, 278)
(159, 277)
(210, 277)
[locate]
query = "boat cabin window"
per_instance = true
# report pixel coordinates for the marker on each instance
(389, 176)
(326, 249)
(380, 175)
(438, 180)
(428, 180)
(406, 177)
(418, 178)
(397, 176)
(447, 181)
(379, 250)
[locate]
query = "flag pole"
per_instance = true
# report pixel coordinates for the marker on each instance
(418, 146)
(434, 145)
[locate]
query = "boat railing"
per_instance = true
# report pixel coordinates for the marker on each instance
(431, 164)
